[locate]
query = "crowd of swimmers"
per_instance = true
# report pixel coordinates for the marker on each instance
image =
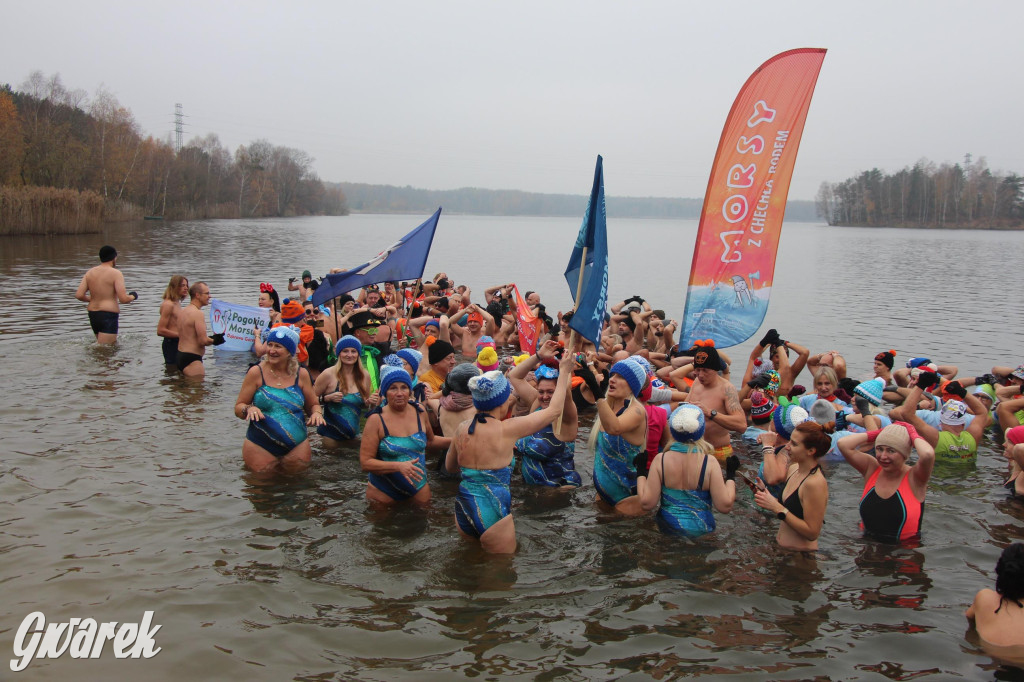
(381, 366)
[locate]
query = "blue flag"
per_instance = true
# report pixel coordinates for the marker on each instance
(405, 259)
(590, 257)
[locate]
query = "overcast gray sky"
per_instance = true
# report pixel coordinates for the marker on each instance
(524, 95)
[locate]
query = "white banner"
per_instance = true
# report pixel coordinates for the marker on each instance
(236, 323)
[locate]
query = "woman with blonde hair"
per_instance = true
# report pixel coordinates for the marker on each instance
(343, 390)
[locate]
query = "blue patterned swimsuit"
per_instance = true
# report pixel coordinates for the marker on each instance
(401, 449)
(283, 425)
(548, 461)
(342, 419)
(685, 512)
(614, 471)
(484, 497)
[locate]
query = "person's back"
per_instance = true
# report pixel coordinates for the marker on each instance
(103, 289)
(998, 615)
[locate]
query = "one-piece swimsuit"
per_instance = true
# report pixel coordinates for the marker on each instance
(401, 449)
(546, 460)
(685, 512)
(484, 497)
(283, 426)
(341, 420)
(614, 466)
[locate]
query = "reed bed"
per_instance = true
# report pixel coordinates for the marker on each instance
(48, 210)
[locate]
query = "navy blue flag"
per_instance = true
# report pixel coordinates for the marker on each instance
(593, 238)
(405, 259)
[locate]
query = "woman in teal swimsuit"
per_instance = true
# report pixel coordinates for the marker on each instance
(343, 390)
(275, 397)
(691, 481)
(482, 451)
(393, 448)
(621, 439)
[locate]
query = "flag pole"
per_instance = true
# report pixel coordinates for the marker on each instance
(572, 332)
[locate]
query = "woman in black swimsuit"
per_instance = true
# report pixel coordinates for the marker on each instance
(805, 497)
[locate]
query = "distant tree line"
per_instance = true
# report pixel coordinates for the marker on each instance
(364, 198)
(926, 195)
(51, 136)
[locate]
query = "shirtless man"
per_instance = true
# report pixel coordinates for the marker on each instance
(718, 399)
(479, 324)
(102, 287)
(170, 311)
(192, 338)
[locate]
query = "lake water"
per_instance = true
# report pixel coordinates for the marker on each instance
(122, 487)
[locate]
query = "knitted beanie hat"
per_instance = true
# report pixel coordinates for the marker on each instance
(887, 358)
(412, 356)
(487, 359)
(485, 342)
(292, 312)
(895, 437)
(633, 373)
(490, 390)
(871, 390)
(348, 341)
(787, 418)
(439, 350)
(286, 336)
(761, 407)
(457, 380)
(390, 376)
(394, 361)
(686, 423)
(772, 389)
(823, 412)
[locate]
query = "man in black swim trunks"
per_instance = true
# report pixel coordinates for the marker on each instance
(192, 338)
(102, 287)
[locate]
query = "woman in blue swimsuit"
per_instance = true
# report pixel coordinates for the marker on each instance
(547, 456)
(276, 396)
(686, 480)
(343, 390)
(482, 451)
(395, 439)
(621, 440)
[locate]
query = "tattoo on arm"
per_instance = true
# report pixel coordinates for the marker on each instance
(732, 400)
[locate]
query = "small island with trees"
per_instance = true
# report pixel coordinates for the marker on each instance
(967, 195)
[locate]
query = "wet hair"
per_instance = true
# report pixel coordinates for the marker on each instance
(107, 253)
(171, 292)
(817, 437)
(1010, 575)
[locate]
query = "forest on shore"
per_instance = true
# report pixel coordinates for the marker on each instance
(68, 162)
(363, 198)
(926, 195)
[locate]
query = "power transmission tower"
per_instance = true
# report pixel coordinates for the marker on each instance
(179, 125)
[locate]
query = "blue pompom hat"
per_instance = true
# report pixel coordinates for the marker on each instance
(394, 361)
(285, 336)
(686, 423)
(633, 373)
(490, 390)
(393, 375)
(787, 418)
(871, 390)
(348, 341)
(412, 356)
